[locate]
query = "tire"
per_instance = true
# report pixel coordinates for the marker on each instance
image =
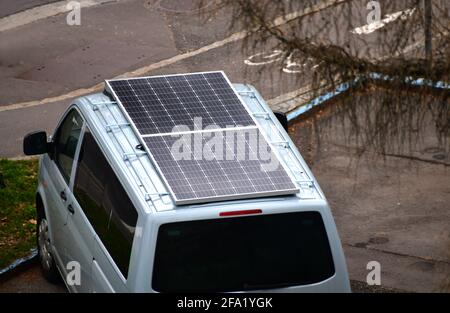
(46, 260)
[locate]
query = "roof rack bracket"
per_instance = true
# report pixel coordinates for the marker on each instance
(249, 93)
(264, 115)
(283, 144)
(109, 127)
(95, 105)
(305, 183)
(306, 189)
(127, 155)
(148, 196)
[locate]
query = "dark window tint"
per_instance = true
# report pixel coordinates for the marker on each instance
(245, 253)
(66, 141)
(105, 202)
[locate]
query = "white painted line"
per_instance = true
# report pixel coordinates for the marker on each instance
(273, 56)
(180, 57)
(370, 28)
(42, 12)
(70, 95)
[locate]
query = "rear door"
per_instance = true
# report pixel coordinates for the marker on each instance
(248, 253)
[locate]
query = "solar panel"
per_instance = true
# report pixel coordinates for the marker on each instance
(177, 116)
(158, 104)
(229, 171)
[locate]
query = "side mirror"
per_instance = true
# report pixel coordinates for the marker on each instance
(35, 143)
(282, 118)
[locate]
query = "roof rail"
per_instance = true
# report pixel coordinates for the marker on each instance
(306, 184)
(148, 195)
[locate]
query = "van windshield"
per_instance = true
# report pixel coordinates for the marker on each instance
(242, 253)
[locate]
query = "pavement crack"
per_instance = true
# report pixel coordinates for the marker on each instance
(396, 253)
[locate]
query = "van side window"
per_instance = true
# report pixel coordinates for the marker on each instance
(105, 202)
(66, 141)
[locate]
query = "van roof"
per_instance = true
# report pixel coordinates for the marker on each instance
(134, 167)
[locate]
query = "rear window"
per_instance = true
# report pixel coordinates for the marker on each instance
(242, 253)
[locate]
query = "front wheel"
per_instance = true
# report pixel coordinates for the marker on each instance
(46, 260)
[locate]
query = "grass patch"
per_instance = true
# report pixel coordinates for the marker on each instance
(17, 209)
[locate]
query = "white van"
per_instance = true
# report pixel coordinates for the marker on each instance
(109, 206)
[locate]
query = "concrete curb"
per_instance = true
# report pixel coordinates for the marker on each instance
(343, 87)
(19, 265)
